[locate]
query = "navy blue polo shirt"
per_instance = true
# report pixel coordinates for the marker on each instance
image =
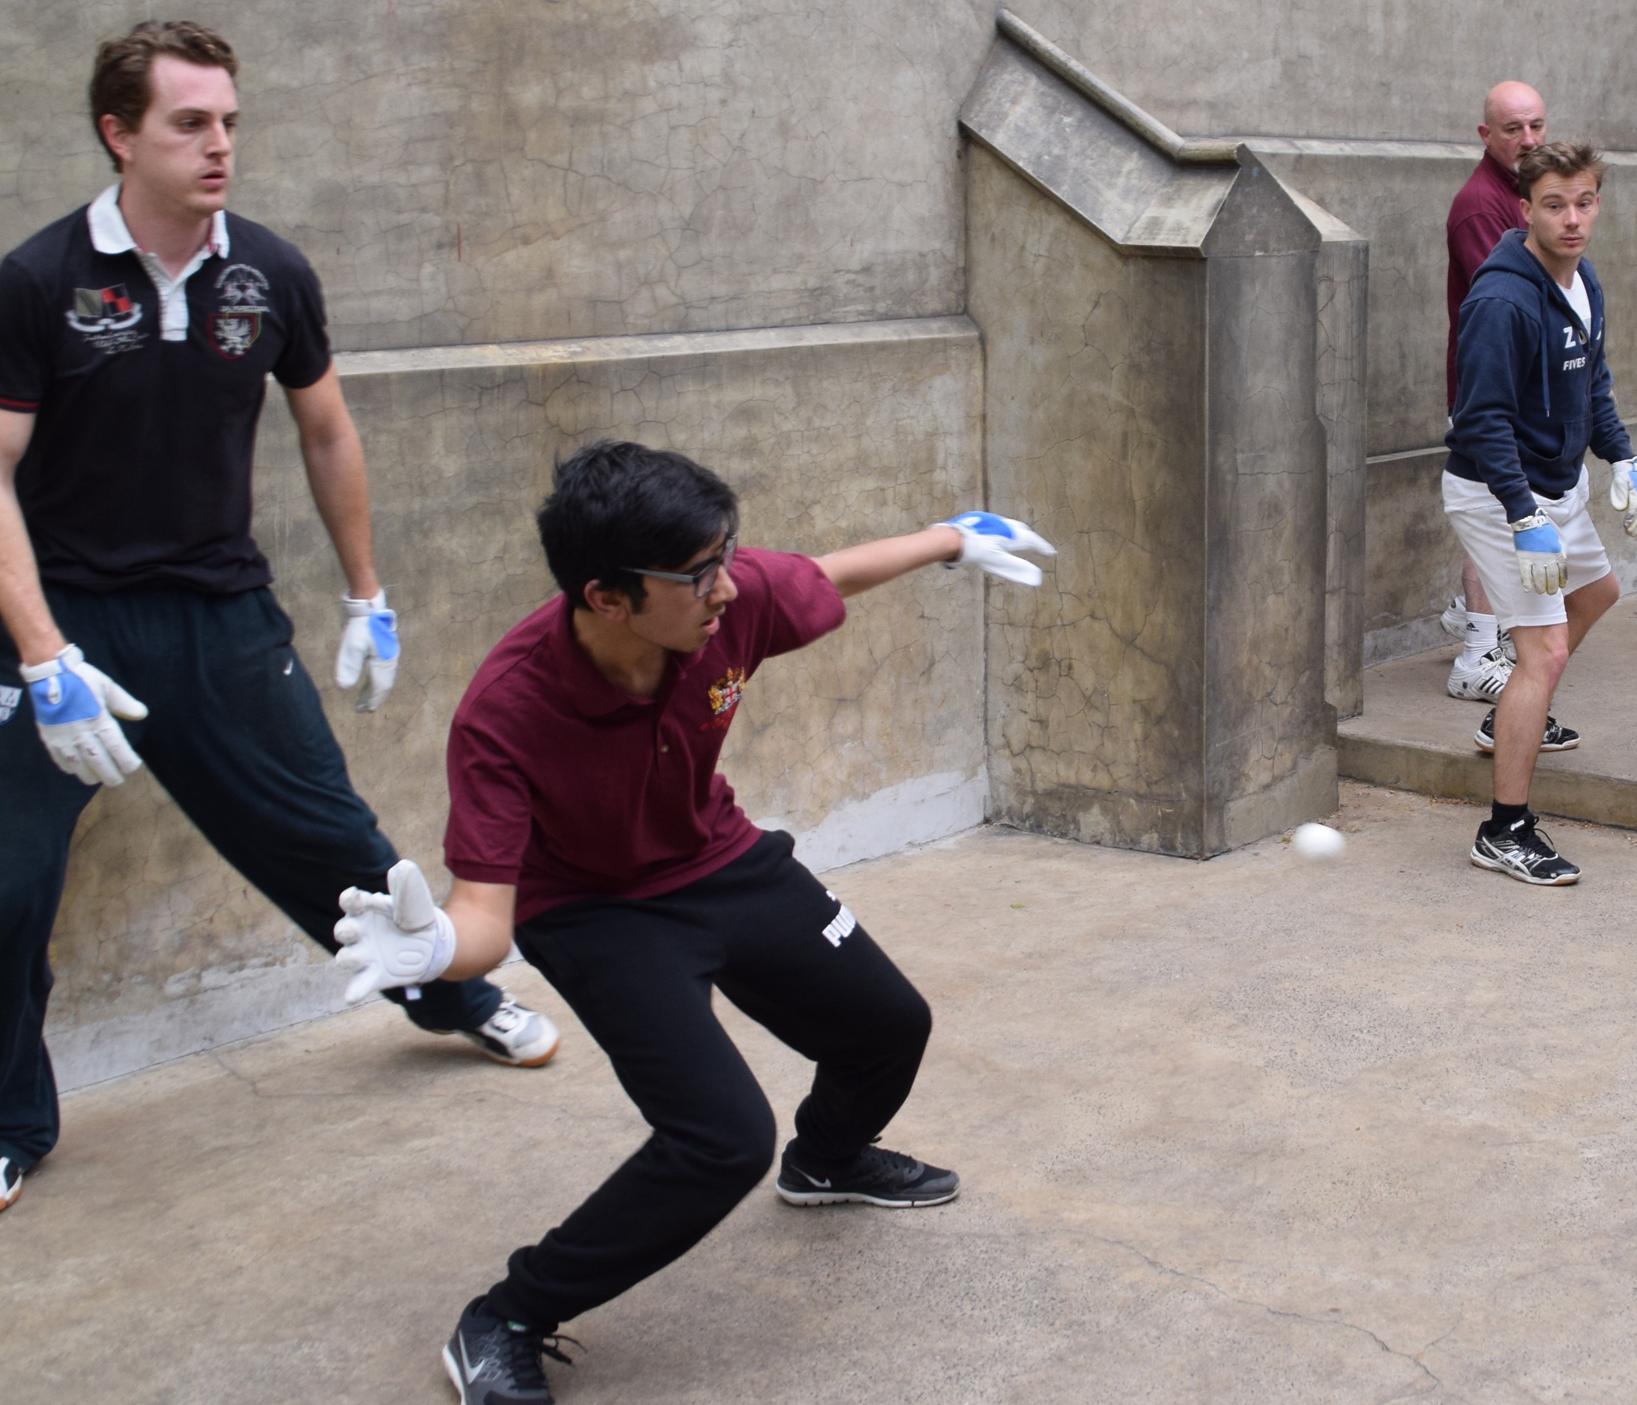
(146, 395)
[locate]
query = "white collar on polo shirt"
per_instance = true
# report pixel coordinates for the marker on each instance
(111, 235)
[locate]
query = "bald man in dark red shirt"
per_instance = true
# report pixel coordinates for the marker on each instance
(1485, 208)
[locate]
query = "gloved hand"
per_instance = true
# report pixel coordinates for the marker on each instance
(74, 708)
(987, 542)
(1542, 565)
(400, 937)
(1623, 493)
(371, 636)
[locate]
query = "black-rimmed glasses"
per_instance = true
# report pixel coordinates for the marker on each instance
(702, 578)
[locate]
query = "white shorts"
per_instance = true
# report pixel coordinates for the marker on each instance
(1480, 522)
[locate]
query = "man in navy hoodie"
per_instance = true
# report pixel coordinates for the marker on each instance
(1534, 394)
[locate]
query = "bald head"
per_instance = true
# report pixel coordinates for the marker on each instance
(1514, 122)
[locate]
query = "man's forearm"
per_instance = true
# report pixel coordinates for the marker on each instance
(340, 488)
(483, 928)
(23, 606)
(859, 568)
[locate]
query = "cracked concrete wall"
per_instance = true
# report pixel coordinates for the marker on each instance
(870, 740)
(1164, 690)
(473, 171)
(1376, 69)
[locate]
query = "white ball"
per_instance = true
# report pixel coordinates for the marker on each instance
(1317, 841)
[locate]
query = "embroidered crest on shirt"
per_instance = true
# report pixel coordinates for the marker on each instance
(9, 698)
(236, 323)
(105, 317)
(724, 695)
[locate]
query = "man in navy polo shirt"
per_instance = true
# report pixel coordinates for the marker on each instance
(136, 336)
(588, 820)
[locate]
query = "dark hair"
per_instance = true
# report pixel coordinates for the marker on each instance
(121, 75)
(616, 505)
(1559, 158)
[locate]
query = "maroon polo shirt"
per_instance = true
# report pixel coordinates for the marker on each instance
(568, 788)
(1483, 210)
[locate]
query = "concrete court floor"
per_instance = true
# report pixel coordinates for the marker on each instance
(1251, 1130)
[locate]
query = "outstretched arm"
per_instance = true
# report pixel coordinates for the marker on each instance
(977, 538)
(854, 569)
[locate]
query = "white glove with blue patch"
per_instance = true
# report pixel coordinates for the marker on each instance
(1542, 565)
(988, 541)
(370, 639)
(397, 938)
(1623, 492)
(74, 708)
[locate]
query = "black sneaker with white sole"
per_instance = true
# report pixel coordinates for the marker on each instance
(1521, 851)
(1556, 737)
(495, 1362)
(875, 1176)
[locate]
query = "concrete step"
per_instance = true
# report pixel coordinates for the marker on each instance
(1413, 736)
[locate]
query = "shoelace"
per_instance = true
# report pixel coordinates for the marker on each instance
(506, 1018)
(880, 1157)
(522, 1352)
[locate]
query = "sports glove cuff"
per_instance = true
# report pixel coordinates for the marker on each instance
(69, 656)
(357, 608)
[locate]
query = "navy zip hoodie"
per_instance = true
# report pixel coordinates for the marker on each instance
(1533, 387)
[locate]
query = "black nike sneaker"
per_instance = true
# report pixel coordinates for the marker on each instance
(495, 1362)
(874, 1177)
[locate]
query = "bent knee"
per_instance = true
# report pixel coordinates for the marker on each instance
(733, 1149)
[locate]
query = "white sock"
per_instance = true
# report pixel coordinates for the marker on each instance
(1481, 637)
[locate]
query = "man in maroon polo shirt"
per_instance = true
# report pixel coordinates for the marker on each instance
(588, 821)
(1484, 209)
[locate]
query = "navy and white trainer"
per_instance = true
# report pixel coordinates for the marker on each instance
(875, 1176)
(496, 1362)
(514, 1035)
(1556, 737)
(11, 1182)
(1521, 851)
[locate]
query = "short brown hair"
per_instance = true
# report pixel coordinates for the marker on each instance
(1559, 158)
(120, 77)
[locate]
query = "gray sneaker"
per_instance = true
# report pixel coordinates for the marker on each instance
(514, 1035)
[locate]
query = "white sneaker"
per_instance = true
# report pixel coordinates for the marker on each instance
(514, 1035)
(1483, 681)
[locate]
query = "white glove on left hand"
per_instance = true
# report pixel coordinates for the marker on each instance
(988, 541)
(400, 937)
(74, 708)
(1623, 493)
(370, 636)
